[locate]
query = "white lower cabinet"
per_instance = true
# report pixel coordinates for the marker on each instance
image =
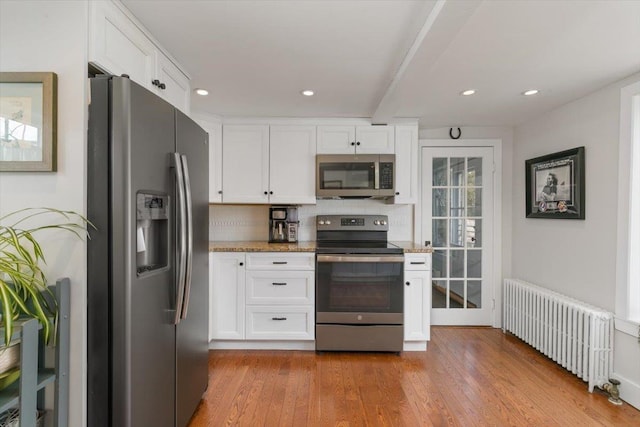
(227, 290)
(417, 299)
(275, 296)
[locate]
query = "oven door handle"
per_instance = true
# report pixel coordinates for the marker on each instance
(360, 258)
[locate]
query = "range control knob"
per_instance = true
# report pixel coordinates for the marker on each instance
(383, 222)
(376, 222)
(327, 222)
(321, 222)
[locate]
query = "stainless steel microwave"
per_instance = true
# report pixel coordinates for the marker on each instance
(355, 176)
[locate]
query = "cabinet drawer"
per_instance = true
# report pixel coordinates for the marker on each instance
(280, 261)
(280, 323)
(417, 261)
(280, 287)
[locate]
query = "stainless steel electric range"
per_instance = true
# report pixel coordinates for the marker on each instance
(359, 285)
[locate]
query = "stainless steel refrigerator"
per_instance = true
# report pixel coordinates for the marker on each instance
(147, 260)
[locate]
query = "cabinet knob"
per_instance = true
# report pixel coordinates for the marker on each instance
(155, 82)
(219, 191)
(162, 86)
(397, 193)
(241, 264)
(265, 193)
(353, 143)
(270, 192)
(407, 283)
(358, 143)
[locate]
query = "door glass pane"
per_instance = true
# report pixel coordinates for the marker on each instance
(474, 202)
(456, 294)
(456, 263)
(439, 171)
(438, 294)
(456, 234)
(474, 233)
(457, 171)
(439, 232)
(474, 294)
(439, 263)
(474, 263)
(457, 202)
(474, 171)
(439, 202)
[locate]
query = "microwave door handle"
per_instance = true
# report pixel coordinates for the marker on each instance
(189, 246)
(376, 175)
(182, 235)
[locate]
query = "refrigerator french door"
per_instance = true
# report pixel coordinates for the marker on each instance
(147, 261)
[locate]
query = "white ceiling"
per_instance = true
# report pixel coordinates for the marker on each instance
(396, 58)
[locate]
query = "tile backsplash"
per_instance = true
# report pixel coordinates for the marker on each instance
(251, 222)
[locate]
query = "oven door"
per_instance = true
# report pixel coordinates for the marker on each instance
(359, 289)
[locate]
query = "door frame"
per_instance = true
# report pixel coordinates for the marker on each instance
(496, 145)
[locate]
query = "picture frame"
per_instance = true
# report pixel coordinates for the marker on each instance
(28, 121)
(555, 185)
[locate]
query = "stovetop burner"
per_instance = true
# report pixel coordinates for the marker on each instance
(351, 247)
(354, 234)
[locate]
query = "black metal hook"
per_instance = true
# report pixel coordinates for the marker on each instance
(455, 137)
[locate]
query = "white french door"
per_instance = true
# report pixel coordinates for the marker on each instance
(457, 217)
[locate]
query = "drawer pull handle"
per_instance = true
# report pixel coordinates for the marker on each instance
(278, 318)
(279, 283)
(416, 262)
(279, 262)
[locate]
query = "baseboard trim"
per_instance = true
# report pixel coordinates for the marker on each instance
(261, 345)
(629, 391)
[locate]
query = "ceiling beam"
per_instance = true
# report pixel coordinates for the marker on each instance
(450, 17)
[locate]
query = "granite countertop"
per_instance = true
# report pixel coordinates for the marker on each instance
(308, 246)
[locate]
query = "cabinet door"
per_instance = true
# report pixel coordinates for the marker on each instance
(292, 159)
(417, 305)
(336, 139)
(406, 164)
(215, 158)
(375, 140)
(245, 156)
(177, 89)
(227, 303)
(117, 45)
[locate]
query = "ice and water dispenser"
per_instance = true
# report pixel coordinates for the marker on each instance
(152, 231)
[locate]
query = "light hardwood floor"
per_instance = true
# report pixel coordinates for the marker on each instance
(467, 377)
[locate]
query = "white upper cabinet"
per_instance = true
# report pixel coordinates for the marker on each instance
(214, 129)
(292, 160)
(172, 84)
(263, 164)
(118, 45)
(245, 160)
(406, 164)
(364, 139)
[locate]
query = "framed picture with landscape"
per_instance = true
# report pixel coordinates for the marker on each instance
(555, 185)
(28, 110)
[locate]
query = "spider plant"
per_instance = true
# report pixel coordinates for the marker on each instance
(23, 285)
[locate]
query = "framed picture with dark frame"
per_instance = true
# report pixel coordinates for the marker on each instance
(555, 185)
(28, 119)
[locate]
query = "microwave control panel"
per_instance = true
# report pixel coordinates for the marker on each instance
(386, 176)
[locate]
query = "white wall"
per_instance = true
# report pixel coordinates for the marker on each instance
(51, 36)
(573, 257)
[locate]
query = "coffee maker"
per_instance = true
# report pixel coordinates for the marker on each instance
(283, 224)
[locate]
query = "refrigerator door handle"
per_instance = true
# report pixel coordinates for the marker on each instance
(182, 235)
(189, 266)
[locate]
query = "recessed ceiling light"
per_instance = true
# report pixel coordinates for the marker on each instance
(530, 92)
(468, 92)
(202, 92)
(307, 92)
